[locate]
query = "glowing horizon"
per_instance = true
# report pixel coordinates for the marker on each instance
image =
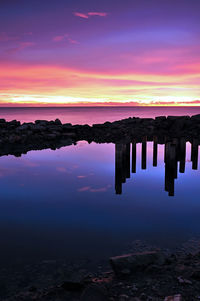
(138, 54)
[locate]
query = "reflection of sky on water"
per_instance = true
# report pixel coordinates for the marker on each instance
(56, 203)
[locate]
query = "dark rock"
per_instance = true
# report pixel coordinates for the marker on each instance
(73, 286)
(196, 274)
(94, 293)
(135, 262)
(174, 298)
(57, 122)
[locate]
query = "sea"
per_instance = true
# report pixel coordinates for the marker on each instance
(70, 203)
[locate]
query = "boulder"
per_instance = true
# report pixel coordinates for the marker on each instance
(58, 122)
(134, 262)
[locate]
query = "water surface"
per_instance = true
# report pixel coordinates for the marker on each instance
(91, 115)
(63, 203)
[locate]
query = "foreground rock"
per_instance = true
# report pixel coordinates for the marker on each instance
(153, 280)
(17, 138)
(131, 263)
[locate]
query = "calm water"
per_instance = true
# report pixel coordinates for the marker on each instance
(63, 203)
(91, 115)
(74, 202)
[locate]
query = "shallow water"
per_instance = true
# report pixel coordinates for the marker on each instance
(63, 204)
(91, 115)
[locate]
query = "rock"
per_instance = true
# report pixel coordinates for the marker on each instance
(73, 285)
(123, 297)
(23, 127)
(183, 281)
(57, 122)
(94, 293)
(196, 274)
(160, 118)
(195, 117)
(173, 298)
(135, 262)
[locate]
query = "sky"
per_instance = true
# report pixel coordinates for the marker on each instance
(108, 52)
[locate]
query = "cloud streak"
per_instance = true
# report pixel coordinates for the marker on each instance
(90, 14)
(65, 37)
(22, 46)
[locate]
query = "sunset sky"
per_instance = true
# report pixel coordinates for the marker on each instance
(70, 52)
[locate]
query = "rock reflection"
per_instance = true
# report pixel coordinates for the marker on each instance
(174, 152)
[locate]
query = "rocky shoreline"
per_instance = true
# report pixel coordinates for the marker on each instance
(149, 274)
(17, 138)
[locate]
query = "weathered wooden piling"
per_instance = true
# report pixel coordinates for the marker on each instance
(182, 150)
(155, 150)
(144, 152)
(128, 173)
(194, 153)
(134, 156)
(118, 168)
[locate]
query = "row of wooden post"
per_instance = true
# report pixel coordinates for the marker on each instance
(175, 151)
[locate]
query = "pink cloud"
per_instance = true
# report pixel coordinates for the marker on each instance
(4, 37)
(58, 38)
(97, 14)
(21, 46)
(86, 188)
(90, 14)
(90, 189)
(65, 37)
(84, 16)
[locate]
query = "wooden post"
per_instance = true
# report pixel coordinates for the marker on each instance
(128, 175)
(182, 155)
(194, 154)
(134, 156)
(144, 153)
(118, 168)
(155, 150)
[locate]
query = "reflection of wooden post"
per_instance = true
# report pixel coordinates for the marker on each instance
(155, 150)
(118, 168)
(194, 153)
(182, 155)
(134, 156)
(144, 153)
(170, 167)
(128, 160)
(123, 163)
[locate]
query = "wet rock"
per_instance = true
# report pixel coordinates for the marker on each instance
(135, 262)
(94, 292)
